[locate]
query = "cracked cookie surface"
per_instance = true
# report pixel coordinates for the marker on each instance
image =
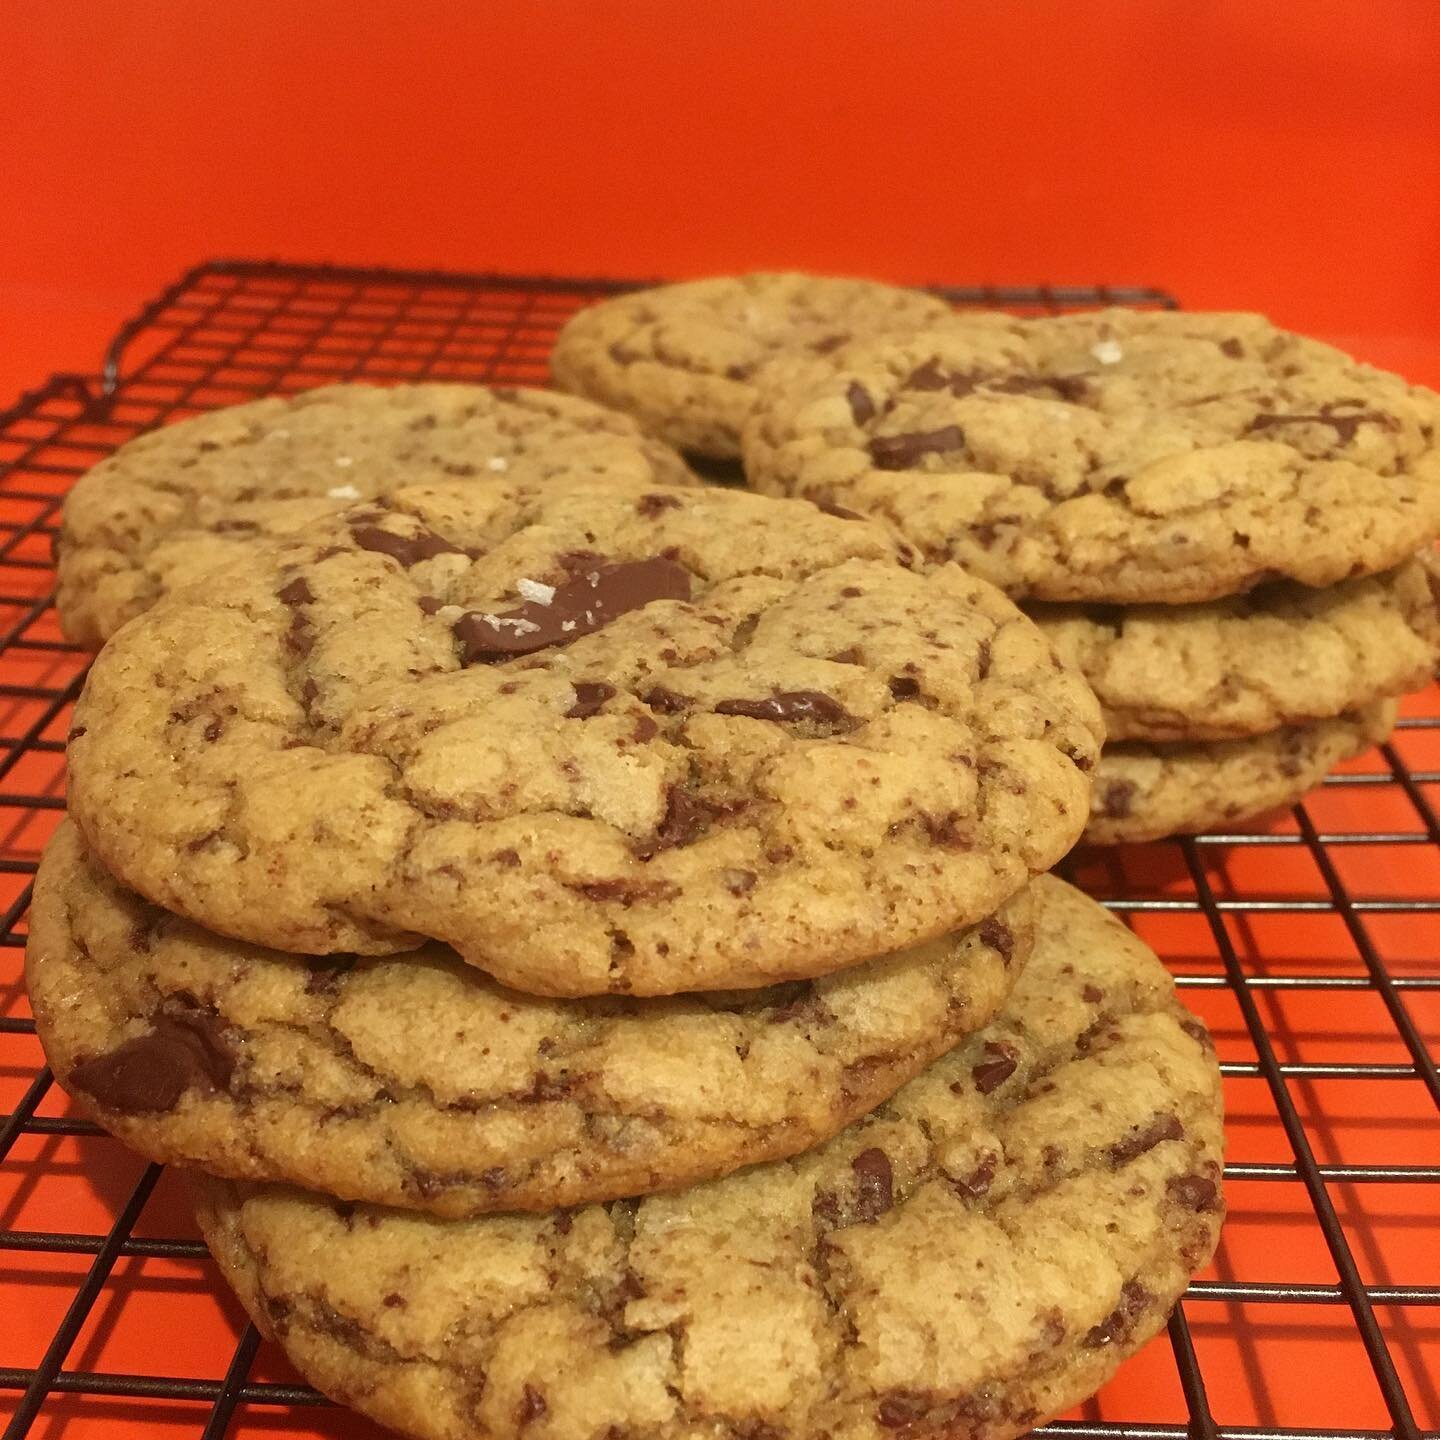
(685, 359)
(1281, 655)
(173, 505)
(976, 1256)
(1147, 791)
(597, 738)
(419, 1082)
(1117, 456)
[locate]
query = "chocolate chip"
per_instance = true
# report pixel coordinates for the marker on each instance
(564, 1222)
(626, 892)
(652, 505)
(810, 706)
(531, 1407)
(983, 660)
(687, 817)
(849, 656)
(997, 1068)
(1162, 1127)
(1116, 799)
(300, 636)
(429, 604)
(508, 858)
(862, 407)
(1345, 426)
(838, 511)
(874, 1185)
(903, 452)
(407, 549)
(297, 592)
(590, 695)
(738, 882)
(645, 729)
(739, 372)
(1134, 1297)
(1194, 1192)
(582, 605)
(666, 702)
(828, 344)
(998, 936)
(1091, 994)
(904, 687)
(978, 1182)
(148, 1074)
(950, 831)
(1233, 348)
(461, 468)
(928, 376)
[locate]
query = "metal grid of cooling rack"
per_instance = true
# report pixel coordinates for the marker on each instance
(1222, 909)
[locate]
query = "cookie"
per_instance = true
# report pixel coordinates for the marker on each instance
(175, 504)
(976, 1256)
(1145, 791)
(1116, 456)
(1281, 655)
(685, 359)
(599, 739)
(417, 1081)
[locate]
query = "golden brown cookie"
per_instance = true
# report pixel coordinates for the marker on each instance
(175, 504)
(597, 738)
(418, 1081)
(976, 1256)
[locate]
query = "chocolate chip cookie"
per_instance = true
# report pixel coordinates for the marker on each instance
(1146, 791)
(597, 738)
(1282, 655)
(175, 504)
(419, 1082)
(976, 1256)
(685, 359)
(1116, 456)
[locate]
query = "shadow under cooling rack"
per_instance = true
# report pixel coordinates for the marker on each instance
(1312, 950)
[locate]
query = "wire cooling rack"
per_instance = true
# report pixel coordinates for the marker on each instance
(1313, 950)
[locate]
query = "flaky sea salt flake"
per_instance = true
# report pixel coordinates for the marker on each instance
(1107, 352)
(535, 591)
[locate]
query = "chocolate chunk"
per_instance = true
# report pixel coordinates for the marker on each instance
(652, 505)
(902, 452)
(590, 695)
(531, 1407)
(997, 1068)
(1116, 799)
(1162, 1127)
(862, 407)
(790, 705)
(1134, 1297)
(645, 729)
(394, 1301)
(666, 702)
(1194, 1192)
(904, 687)
(829, 344)
(297, 592)
(582, 605)
(1345, 426)
(1071, 388)
(738, 882)
(687, 817)
(874, 1185)
(407, 549)
(997, 935)
(849, 656)
(1091, 994)
(300, 637)
(838, 511)
(429, 604)
(1233, 348)
(149, 1074)
(928, 376)
(978, 1182)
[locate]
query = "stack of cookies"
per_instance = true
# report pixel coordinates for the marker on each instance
(589, 935)
(1216, 521)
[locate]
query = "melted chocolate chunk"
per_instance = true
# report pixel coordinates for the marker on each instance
(586, 603)
(1162, 1127)
(687, 817)
(1346, 427)
(149, 1074)
(874, 1185)
(997, 935)
(862, 407)
(904, 452)
(1116, 799)
(792, 705)
(666, 702)
(407, 549)
(1194, 1192)
(590, 695)
(1134, 1297)
(996, 1069)
(297, 592)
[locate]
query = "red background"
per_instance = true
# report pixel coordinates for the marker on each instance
(1284, 157)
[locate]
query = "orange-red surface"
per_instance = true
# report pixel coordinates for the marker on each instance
(1281, 157)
